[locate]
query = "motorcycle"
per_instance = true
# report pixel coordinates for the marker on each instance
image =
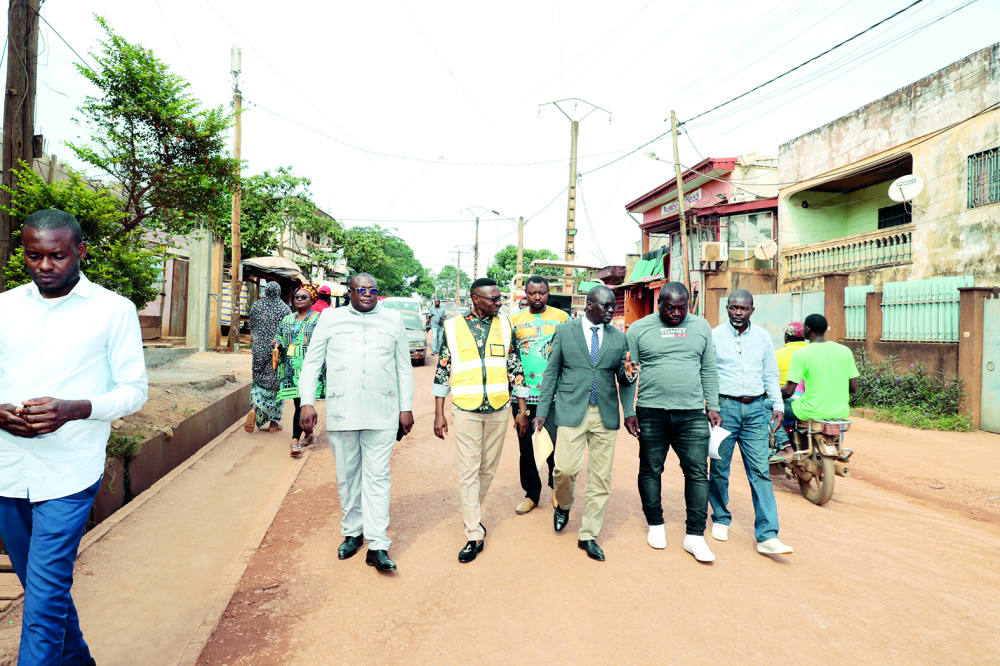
(818, 456)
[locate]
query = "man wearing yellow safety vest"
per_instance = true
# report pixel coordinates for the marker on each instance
(481, 368)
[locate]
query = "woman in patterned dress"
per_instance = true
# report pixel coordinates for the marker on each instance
(265, 316)
(293, 336)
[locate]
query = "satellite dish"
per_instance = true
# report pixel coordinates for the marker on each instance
(905, 188)
(747, 158)
(765, 250)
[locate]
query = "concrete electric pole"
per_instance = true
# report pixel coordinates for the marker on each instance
(236, 284)
(19, 109)
(574, 131)
(477, 211)
(520, 250)
(458, 277)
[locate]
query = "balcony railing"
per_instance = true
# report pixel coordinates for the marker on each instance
(859, 252)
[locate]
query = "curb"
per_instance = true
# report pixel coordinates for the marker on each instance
(214, 615)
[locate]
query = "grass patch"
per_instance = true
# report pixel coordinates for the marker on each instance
(914, 418)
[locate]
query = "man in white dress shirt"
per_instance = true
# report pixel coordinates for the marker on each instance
(71, 361)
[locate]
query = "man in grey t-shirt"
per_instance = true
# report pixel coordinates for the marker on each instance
(679, 381)
(435, 319)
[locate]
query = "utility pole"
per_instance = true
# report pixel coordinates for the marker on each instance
(570, 251)
(520, 250)
(235, 284)
(458, 277)
(19, 109)
(477, 211)
(680, 202)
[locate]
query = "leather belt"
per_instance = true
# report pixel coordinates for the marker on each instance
(745, 401)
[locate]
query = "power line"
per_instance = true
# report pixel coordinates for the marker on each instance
(85, 63)
(800, 66)
(448, 69)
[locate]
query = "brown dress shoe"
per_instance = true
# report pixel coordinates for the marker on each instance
(525, 507)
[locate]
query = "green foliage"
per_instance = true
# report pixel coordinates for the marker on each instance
(148, 133)
(397, 271)
(915, 418)
(116, 260)
(928, 395)
(503, 267)
(445, 282)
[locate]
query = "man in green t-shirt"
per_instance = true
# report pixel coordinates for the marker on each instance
(829, 373)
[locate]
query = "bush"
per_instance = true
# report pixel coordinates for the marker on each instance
(923, 394)
(116, 259)
(914, 418)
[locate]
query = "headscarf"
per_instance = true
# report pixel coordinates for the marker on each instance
(265, 316)
(311, 290)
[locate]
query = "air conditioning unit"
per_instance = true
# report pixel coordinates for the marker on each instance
(715, 251)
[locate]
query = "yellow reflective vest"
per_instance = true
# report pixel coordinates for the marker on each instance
(474, 376)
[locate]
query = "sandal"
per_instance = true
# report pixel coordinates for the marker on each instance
(274, 428)
(296, 449)
(308, 440)
(250, 422)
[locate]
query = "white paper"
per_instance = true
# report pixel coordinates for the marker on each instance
(718, 434)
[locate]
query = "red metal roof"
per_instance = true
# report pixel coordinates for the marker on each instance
(720, 209)
(697, 171)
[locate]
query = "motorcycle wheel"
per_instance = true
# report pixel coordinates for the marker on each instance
(819, 489)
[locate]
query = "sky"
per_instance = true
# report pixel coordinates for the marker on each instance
(406, 114)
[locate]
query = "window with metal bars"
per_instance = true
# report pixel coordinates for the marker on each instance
(893, 216)
(984, 178)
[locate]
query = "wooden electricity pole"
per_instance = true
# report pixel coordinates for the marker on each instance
(19, 109)
(236, 285)
(680, 202)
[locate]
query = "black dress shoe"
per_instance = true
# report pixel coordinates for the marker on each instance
(380, 560)
(594, 551)
(559, 518)
(470, 551)
(349, 547)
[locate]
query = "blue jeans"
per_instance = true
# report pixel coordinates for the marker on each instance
(42, 539)
(780, 436)
(748, 424)
(437, 335)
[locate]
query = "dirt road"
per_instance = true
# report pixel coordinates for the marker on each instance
(878, 577)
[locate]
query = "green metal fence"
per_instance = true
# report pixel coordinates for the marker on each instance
(922, 310)
(855, 312)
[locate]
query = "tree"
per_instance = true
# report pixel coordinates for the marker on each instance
(148, 133)
(445, 282)
(116, 259)
(504, 265)
(398, 272)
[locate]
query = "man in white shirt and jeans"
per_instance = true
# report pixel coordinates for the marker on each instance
(71, 361)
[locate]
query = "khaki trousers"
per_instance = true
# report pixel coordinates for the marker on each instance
(479, 440)
(570, 446)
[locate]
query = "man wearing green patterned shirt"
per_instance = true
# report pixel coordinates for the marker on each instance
(533, 329)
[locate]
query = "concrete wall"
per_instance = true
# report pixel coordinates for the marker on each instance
(939, 100)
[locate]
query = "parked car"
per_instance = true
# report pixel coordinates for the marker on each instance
(417, 335)
(402, 303)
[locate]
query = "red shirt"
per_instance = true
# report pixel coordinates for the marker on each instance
(319, 306)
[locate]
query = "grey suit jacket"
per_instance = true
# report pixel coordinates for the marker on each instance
(569, 374)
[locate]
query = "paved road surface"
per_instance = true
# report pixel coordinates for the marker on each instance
(880, 575)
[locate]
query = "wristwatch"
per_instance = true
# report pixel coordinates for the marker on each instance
(523, 411)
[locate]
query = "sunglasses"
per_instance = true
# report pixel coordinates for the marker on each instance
(495, 299)
(605, 306)
(362, 291)
(302, 297)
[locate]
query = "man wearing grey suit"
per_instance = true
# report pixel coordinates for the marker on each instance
(369, 397)
(587, 357)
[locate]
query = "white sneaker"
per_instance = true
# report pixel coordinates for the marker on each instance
(696, 546)
(657, 537)
(774, 547)
(720, 532)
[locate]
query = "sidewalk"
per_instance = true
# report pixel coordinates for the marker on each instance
(157, 580)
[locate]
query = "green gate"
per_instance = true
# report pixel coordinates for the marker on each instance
(989, 417)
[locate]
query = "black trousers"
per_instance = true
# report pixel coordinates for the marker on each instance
(296, 428)
(531, 482)
(687, 430)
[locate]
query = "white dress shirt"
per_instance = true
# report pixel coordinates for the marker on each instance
(85, 346)
(589, 334)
